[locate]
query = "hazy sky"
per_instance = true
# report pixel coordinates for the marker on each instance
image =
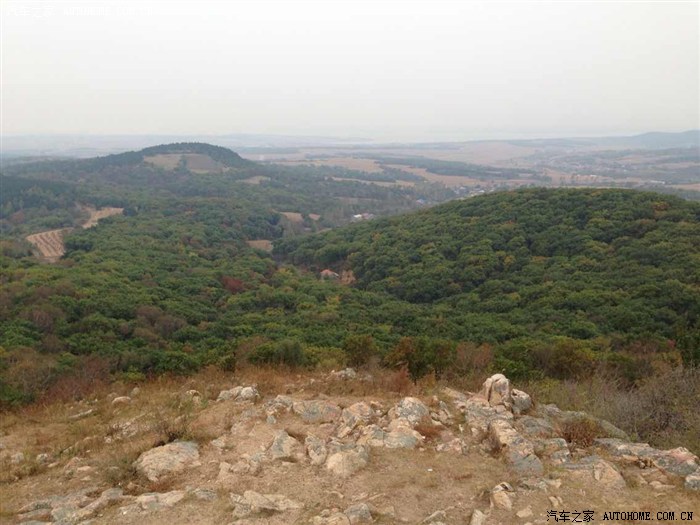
(390, 70)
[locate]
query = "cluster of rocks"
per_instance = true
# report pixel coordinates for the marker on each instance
(526, 437)
(72, 508)
(499, 421)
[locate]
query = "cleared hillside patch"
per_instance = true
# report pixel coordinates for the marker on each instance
(49, 243)
(97, 215)
(261, 244)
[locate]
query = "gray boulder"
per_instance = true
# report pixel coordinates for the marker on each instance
(285, 448)
(168, 459)
(518, 452)
(316, 450)
(317, 411)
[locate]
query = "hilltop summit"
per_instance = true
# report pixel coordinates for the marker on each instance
(196, 157)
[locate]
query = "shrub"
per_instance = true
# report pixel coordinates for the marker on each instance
(471, 359)
(581, 432)
(359, 349)
(326, 357)
(286, 352)
(421, 356)
(400, 381)
(563, 358)
(227, 362)
(428, 430)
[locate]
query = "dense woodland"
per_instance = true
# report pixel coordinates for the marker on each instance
(534, 283)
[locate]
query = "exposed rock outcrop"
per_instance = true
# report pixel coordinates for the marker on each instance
(168, 459)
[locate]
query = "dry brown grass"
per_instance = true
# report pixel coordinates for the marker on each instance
(663, 410)
(581, 433)
(428, 430)
(400, 381)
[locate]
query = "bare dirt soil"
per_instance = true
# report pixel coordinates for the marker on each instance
(49, 243)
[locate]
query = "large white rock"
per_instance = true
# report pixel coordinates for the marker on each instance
(168, 459)
(496, 390)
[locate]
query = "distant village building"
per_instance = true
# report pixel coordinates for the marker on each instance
(329, 274)
(362, 217)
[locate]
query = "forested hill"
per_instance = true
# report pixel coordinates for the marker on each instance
(182, 156)
(533, 283)
(578, 261)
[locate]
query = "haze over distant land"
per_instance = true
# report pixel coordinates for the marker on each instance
(260, 144)
(389, 71)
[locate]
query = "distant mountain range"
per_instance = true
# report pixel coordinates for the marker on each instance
(93, 145)
(652, 140)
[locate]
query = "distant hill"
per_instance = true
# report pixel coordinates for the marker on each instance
(185, 155)
(181, 157)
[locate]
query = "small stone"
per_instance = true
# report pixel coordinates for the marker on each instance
(478, 518)
(359, 513)
(121, 400)
(348, 373)
(524, 513)
(556, 501)
(204, 494)
(501, 500)
(438, 515)
(661, 487)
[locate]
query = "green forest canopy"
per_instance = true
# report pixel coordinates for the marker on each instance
(555, 282)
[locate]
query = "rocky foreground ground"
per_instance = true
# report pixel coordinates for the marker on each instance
(250, 456)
